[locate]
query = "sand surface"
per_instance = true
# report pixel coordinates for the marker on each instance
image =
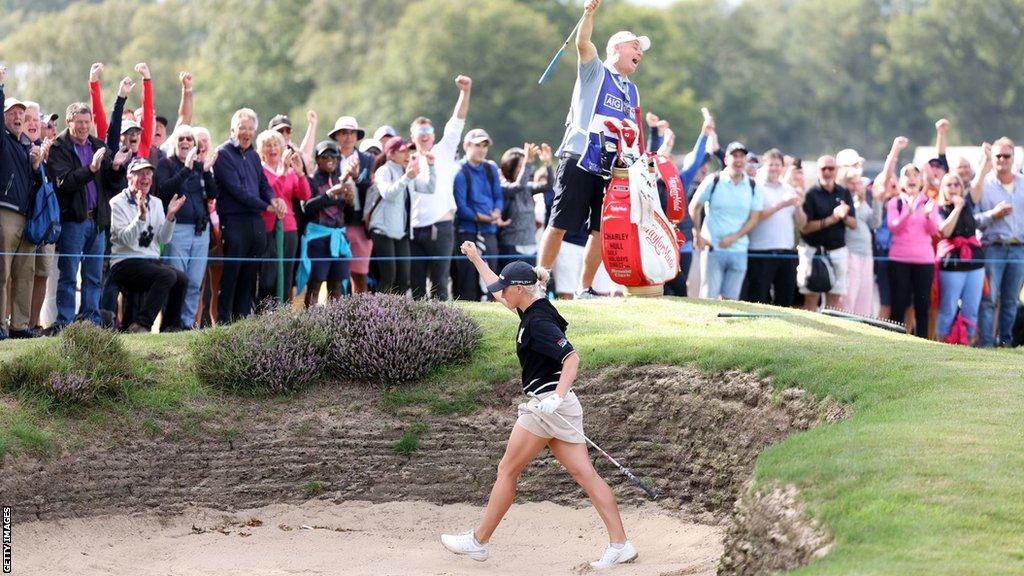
(356, 538)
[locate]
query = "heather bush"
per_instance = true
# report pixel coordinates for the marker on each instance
(274, 352)
(386, 339)
(87, 362)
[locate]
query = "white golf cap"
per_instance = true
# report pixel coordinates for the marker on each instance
(623, 36)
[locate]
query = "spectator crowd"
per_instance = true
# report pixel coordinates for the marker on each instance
(158, 221)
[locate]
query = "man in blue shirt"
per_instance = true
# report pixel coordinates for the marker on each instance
(733, 204)
(1000, 216)
(478, 204)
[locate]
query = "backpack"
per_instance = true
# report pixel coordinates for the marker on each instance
(718, 176)
(822, 275)
(43, 224)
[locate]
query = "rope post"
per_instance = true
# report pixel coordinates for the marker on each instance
(279, 240)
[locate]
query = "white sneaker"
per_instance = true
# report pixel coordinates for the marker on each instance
(466, 544)
(585, 294)
(613, 556)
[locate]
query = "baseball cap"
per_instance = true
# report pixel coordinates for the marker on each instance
(12, 102)
(278, 122)
(139, 164)
(347, 123)
(326, 146)
(384, 132)
(397, 145)
(514, 273)
(365, 145)
(48, 117)
(476, 136)
(848, 157)
(734, 146)
(752, 159)
(623, 36)
(127, 125)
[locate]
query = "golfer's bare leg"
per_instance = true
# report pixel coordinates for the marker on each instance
(522, 448)
(577, 462)
(550, 244)
(591, 259)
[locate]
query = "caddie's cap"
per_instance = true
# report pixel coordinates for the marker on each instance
(476, 136)
(623, 36)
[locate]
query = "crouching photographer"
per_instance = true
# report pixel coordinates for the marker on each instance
(137, 228)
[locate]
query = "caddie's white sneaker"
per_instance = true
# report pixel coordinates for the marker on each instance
(465, 544)
(613, 556)
(587, 294)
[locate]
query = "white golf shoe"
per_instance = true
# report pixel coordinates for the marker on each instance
(466, 544)
(613, 556)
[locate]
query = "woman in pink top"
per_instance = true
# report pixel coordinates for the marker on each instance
(287, 176)
(914, 223)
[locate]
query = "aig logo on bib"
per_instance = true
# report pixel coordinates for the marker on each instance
(611, 101)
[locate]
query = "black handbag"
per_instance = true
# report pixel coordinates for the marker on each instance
(823, 274)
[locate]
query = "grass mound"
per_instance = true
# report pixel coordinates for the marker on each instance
(86, 364)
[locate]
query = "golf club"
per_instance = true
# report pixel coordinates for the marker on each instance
(629, 475)
(558, 55)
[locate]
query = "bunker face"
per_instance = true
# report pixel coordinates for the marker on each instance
(694, 437)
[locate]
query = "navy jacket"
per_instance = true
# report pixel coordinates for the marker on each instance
(18, 181)
(195, 185)
(244, 190)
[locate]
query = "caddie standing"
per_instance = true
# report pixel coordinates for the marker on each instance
(602, 92)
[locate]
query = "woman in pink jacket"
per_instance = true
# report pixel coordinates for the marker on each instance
(286, 174)
(914, 223)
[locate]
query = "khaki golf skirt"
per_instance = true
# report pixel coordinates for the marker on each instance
(550, 425)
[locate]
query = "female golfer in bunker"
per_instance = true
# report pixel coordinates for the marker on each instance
(549, 366)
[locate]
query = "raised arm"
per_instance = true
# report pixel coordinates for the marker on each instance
(185, 105)
(465, 84)
(941, 128)
(585, 48)
(99, 114)
(486, 274)
(309, 139)
(984, 168)
(887, 177)
(148, 119)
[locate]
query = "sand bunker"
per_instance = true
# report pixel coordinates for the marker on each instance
(356, 538)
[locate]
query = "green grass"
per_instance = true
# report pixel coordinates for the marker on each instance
(925, 477)
(409, 443)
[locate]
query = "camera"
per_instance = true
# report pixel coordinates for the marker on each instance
(146, 237)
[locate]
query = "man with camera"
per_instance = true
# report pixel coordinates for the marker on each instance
(137, 228)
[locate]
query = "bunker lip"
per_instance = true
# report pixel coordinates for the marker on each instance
(694, 436)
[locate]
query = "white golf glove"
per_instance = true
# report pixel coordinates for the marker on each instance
(550, 404)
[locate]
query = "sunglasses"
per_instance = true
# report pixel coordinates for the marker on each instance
(425, 130)
(1004, 156)
(186, 139)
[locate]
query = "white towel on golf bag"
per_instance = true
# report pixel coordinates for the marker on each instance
(659, 253)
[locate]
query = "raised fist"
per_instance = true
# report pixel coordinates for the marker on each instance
(94, 71)
(186, 80)
(900, 143)
(143, 69)
(464, 82)
(942, 125)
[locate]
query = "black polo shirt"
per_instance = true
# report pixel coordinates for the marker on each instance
(541, 346)
(818, 205)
